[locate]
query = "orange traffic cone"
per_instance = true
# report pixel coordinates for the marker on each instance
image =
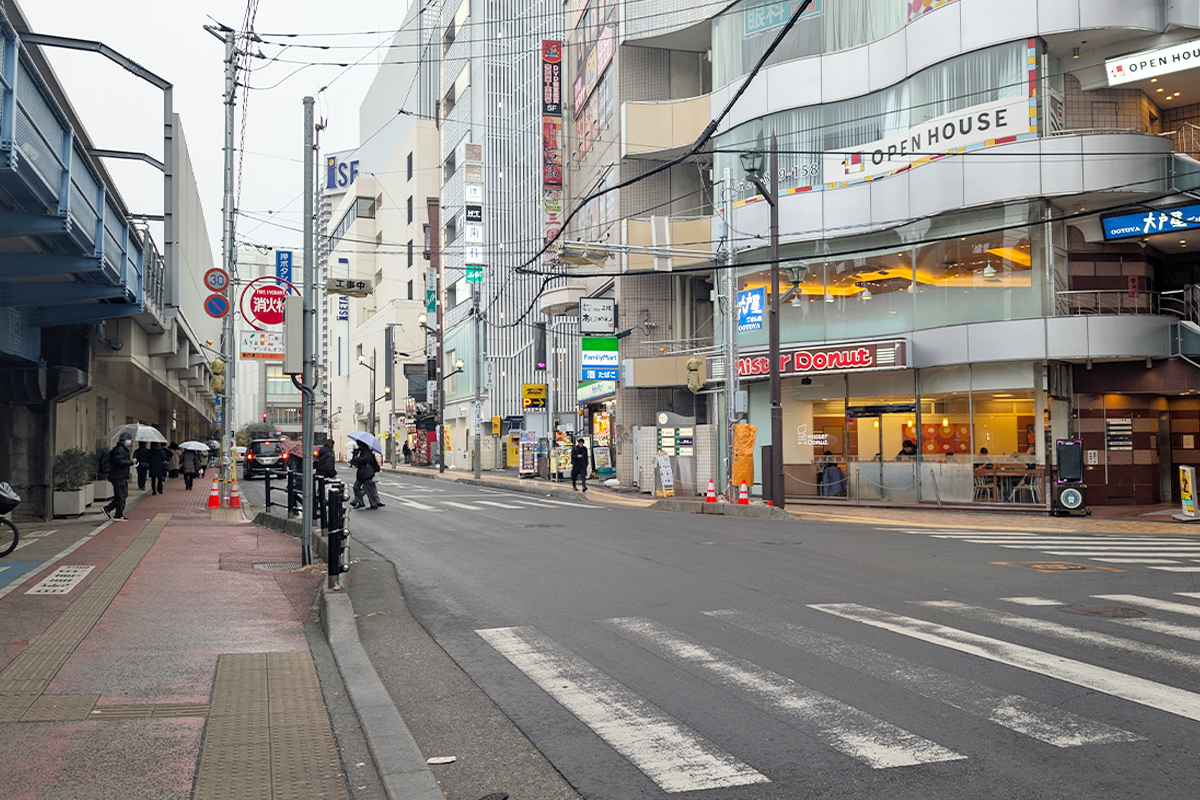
(214, 497)
(743, 496)
(235, 498)
(711, 497)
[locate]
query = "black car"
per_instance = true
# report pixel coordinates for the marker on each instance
(264, 455)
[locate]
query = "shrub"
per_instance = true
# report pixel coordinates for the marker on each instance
(74, 469)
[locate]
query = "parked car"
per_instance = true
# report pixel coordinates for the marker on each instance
(264, 455)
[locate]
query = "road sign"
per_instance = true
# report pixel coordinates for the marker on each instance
(283, 266)
(533, 395)
(354, 287)
(216, 279)
(261, 302)
(215, 305)
(489, 375)
(474, 274)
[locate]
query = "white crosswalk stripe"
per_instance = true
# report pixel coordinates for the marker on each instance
(508, 506)
(672, 755)
(856, 733)
(1168, 554)
(1117, 684)
(1051, 725)
(1156, 625)
(463, 506)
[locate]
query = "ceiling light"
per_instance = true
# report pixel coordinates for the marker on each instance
(795, 301)
(829, 297)
(866, 294)
(945, 422)
(1159, 89)
(1013, 254)
(1154, 80)
(1075, 52)
(989, 271)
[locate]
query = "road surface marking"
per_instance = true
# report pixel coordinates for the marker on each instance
(1032, 601)
(1051, 725)
(1178, 569)
(1135, 560)
(410, 503)
(62, 580)
(672, 755)
(1117, 554)
(1057, 630)
(875, 742)
(1150, 602)
(498, 505)
(463, 506)
(1118, 684)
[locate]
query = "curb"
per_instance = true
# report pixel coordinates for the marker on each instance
(527, 488)
(398, 761)
(722, 509)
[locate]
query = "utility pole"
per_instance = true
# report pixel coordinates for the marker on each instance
(229, 254)
(433, 206)
(478, 380)
(731, 373)
(308, 388)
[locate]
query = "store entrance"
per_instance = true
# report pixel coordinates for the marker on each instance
(884, 451)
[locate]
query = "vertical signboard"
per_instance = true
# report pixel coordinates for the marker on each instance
(283, 266)
(1187, 490)
(552, 171)
(473, 232)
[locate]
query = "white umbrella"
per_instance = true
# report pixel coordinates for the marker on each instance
(368, 439)
(198, 446)
(139, 432)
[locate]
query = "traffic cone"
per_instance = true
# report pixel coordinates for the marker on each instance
(214, 497)
(711, 497)
(743, 496)
(235, 499)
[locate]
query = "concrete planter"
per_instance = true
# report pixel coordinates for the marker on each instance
(101, 490)
(89, 494)
(69, 504)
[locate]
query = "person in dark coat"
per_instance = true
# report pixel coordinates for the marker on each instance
(189, 464)
(142, 457)
(326, 464)
(366, 465)
(579, 463)
(406, 451)
(119, 462)
(160, 462)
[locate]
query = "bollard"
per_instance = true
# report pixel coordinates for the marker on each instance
(338, 535)
(267, 488)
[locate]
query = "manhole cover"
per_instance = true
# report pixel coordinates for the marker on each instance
(542, 525)
(279, 565)
(1115, 612)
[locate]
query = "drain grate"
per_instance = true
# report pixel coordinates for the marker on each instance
(279, 565)
(1112, 612)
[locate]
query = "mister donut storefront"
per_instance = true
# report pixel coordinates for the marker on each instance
(854, 405)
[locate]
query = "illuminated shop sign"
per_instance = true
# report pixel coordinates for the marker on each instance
(1149, 222)
(839, 358)
(1152, 63)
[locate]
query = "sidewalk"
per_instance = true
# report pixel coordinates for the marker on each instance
(165, 657)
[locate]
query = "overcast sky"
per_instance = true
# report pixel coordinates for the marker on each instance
(122, 112)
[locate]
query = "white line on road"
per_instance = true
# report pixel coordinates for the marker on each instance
(1135, 560)
(509, 506)
(1151, 602)
(1032, 601)
(1051, 725)
(875, 742)
(672, 755)
(1104, 641)
(463, 506)
(1117, 554)
(1178, 569)
(1118, 684)
(409, 503)
(1154, 625)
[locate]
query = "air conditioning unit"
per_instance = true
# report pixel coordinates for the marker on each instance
(358, 407)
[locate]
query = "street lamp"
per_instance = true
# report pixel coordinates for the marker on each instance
(751, 164)
(363, 361)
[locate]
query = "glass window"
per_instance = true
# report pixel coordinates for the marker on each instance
(410, 166)
(279, 383)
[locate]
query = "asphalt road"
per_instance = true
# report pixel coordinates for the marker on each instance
(651, 654)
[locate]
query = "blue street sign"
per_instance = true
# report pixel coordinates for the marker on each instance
(283, 266)
(215, 305)
(750, 305)
(601, 373)
(1148, 222)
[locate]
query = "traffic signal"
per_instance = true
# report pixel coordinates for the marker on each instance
(264, 416)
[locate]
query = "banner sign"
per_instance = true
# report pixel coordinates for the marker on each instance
(1187, 490)
(751, 304)
(533, 395)
(986, 123)
(599, 360)
(283, 266)
(1145, 223)
(597, 315)
(552, 173)
(551, 77)
(261, 345)
(343, 307)
(1153, 63)
(826, 358)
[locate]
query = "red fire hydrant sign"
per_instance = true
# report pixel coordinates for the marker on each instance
(261, 302)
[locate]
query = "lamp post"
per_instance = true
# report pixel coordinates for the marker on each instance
(751, 163)
(423, 320)
(363, 360)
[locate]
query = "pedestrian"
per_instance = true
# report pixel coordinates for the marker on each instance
(367, 466)
(326, 464)
(406, 451)
(189, 464)
(142, 457)
(579, 463)
(119, 462)
(173, 459)
(159, 463)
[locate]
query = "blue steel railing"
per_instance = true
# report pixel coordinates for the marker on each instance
(44, 165)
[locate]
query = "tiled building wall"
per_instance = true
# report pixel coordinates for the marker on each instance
(1106, 268)
(1123, 477)
(1109, 109)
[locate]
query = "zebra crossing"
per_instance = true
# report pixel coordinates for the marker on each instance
(677, 755)
(1163, 553)
(438, 503)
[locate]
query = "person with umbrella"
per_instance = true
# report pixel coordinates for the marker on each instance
(366, 465)
(142, 457)
(119, 462)
(191, 461)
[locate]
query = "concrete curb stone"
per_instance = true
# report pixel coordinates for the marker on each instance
(723, 509)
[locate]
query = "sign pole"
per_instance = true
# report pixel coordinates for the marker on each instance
(310, 315)
(478, 382)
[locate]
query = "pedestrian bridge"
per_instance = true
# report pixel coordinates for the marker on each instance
(69, 252)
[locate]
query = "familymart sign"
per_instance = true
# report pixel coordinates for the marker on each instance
(599, 358)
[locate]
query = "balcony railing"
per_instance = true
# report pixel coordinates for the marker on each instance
(1181, 303)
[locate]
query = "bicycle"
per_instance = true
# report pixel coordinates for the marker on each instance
(9, 535)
